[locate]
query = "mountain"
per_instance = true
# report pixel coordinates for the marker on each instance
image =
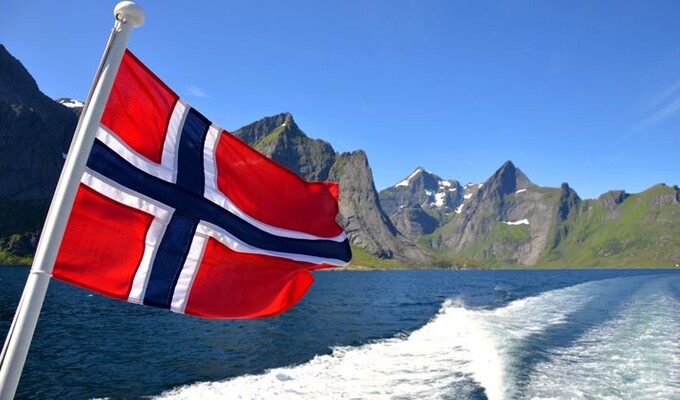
(367, 226)
(419, 204)
(508, 220)
(35, 132)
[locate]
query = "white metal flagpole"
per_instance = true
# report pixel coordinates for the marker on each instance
(128, 15)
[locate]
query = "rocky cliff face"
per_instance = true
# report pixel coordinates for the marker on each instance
(507, 221)
(361, 214)
(35, 132)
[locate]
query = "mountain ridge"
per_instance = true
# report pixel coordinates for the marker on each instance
(510, 221)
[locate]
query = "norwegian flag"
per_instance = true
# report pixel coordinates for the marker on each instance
(174, 212)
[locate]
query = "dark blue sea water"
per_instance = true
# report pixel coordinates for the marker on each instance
(373, 335)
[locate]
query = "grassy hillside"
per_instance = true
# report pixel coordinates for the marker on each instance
(642, 231)
(7, 258)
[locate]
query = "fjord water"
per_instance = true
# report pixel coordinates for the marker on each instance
(373, 335)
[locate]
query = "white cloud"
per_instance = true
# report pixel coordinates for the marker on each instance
(665, 112)
(197, 91)
(661, 106)
(662, 96)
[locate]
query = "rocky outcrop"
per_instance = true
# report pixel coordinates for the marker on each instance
(663, 195)
(612, 198)
(569, 201)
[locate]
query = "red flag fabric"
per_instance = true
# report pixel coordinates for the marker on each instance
(177, 213)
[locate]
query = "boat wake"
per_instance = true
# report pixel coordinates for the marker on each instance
(616, 338)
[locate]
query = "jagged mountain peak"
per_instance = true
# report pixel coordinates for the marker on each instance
(508, 164)
(279, 138)
(422, 178)
(415, 174)
(507, 179)
(256, 131)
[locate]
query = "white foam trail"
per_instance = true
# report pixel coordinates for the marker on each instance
(634, 356)
(457, 347)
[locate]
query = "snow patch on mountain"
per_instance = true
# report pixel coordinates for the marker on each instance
(471, 189)
(407, 181)
(71, 103)
(439, 199)
(520, 222)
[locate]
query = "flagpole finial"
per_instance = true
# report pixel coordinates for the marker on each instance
(129, 11)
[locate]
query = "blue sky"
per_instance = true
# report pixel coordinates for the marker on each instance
(585, 92)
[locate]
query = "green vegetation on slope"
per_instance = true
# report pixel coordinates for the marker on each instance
(364, 260)
(643, 231)
(266, 141)
(7, 258)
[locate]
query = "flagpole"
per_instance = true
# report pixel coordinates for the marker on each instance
(127, 15)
